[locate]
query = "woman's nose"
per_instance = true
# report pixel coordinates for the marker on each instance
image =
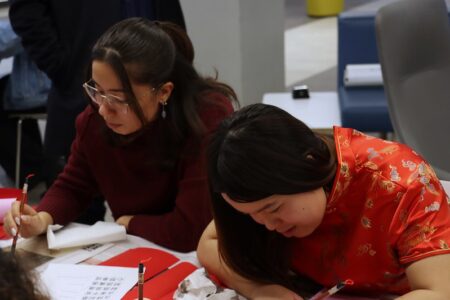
(271, 222)
(104, 110)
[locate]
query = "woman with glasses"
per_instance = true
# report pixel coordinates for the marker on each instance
(140, 143)
(293, 208)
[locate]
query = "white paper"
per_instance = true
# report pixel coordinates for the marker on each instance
(77, 256)
(5, 206)
(363, 75)
(198, 286)
(86, 282)
(74, 236)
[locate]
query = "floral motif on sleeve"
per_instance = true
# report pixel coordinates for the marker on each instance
(424, 214)
(424, 174)
(366, 222)
(417, 234)
(394, 173)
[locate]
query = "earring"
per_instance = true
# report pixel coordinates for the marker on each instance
(163, 112)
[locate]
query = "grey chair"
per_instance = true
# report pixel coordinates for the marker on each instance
(413, 40)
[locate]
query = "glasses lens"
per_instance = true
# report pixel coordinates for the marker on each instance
(99, 98)
(116, 104)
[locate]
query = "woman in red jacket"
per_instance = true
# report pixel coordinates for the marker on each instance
(292, 206)
(140, 143)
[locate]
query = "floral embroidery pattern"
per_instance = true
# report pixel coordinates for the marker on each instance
(389, 149)
(366, 249)
(409, 165)
(394, 174)
(392, 208)
(387, 185)
(372, 154)
(366, 223)
(433, 207)
(419, 234)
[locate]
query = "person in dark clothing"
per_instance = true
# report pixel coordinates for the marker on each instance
(23, 91)
(141, 142)
(58, 36)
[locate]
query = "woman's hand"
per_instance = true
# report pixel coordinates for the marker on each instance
(32, 223)
(272, 292)
(124, 220)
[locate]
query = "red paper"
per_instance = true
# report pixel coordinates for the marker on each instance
(162, 274)
(155, 260)
(10, 193)
(163, 286)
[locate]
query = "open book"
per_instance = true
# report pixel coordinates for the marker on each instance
(163, 271)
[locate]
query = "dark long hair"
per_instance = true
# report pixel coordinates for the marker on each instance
(153, 53)
(17, 280)
(257, 152)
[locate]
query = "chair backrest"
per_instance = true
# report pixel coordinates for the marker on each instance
(413, 39)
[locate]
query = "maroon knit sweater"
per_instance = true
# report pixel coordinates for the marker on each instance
(170, 208)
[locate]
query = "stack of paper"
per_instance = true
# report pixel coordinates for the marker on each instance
(363, 75)
(74, 236)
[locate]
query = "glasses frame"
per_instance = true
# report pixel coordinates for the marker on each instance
(114, 102)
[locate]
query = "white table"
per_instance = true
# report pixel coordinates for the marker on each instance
(319, 112)
(38, 245)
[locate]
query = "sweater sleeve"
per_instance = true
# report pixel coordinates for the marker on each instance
(75, 187)
(181, 228)
(32, 21)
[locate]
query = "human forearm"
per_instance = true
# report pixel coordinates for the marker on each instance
(62, 204)
(179, 229)
(208, 256)
(423, 294)
(429, 278)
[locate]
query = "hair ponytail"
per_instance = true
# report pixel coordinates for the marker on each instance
(179, 37)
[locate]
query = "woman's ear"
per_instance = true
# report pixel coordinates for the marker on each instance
(165, 91)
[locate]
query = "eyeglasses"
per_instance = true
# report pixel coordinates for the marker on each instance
(98, 98)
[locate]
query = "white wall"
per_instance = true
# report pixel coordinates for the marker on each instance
(243, 40)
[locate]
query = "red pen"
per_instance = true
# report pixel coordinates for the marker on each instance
(23, 199)
(141, 278)
(141, 281)
(325, 293)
